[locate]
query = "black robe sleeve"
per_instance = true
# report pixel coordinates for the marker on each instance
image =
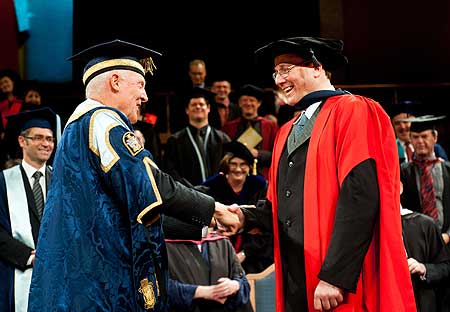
(356, 215)
(181, 202)
(12, 250)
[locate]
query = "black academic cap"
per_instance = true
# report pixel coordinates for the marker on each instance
(197, 92)
(326, 51)
(251, 90)
(407, 107)
(237, 149)
(116, 54)
(176, 229)
(37, 118)
(423, 123)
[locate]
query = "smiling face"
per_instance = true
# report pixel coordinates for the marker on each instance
(37, 145)
(33, 97)
(238, 170)
(198, 110)
(6, 85)
(131, 94)
(300, 80)
(401, 128)
(249, 106)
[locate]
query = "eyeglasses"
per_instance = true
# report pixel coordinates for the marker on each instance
(234, 165)
(40, 138)
(284, 71)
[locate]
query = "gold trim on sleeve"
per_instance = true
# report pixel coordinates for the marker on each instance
(148, 164)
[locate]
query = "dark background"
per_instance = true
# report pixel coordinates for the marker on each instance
(397, 50)
(223, 34)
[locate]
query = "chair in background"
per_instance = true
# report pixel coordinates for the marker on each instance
(262, 290)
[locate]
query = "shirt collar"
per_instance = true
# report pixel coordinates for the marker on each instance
(30, 170)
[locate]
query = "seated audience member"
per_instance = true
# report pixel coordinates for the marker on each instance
(205, 274)
(399, 114)
(428, 261)
(32, 98)
(235, 184)
(227, 109)
(426, 179)
(258, 132)
(9, 100)
(193, 154)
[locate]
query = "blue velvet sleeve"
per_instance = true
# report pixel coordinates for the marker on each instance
(241, 297)
(180, 294)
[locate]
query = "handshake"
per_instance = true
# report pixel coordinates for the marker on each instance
(228, 220)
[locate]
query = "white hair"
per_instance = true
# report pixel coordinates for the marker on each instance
(98, 85)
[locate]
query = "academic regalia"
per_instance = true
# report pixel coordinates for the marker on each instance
(411, 193)
(182, 156)
(266, 128)
(258, 248)
(9, 108)
(423, 242)
(346, 171)
(94, 251)
(189, 267)
(18, 244)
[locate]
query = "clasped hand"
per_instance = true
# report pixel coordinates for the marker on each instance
(229, 219)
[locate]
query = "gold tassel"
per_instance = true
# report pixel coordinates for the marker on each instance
(149, 65)
(255, 161)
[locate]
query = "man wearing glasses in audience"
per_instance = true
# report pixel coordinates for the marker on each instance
(23, 190)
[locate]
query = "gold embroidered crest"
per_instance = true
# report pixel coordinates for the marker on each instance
(147, 291)
(132, 143)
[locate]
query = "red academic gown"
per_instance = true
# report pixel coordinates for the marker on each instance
(339, 141)
(6, 110)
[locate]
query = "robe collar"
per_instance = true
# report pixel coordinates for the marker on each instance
(317, 96)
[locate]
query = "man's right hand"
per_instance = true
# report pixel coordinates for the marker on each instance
(228, 219)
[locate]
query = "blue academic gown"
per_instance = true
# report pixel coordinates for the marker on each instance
(93, 253)
(15, 251)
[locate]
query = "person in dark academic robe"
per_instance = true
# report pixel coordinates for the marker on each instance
(238, 183)
(333, 191)
(429, 261)
(423, 138)
(250, 98)
(193, 154)
(205, 273)
(20, 214)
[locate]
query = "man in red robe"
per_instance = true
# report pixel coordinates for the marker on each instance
(333, 198)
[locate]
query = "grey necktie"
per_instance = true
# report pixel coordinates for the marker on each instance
(295, 132)
(37, 193)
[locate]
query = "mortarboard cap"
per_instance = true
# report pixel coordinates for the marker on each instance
(237, 149)
(198, 92)
(116, 54)
(326, 51)
(251, 90)
(176, 229)
(423, 123)
(406, 107)
(37, 118)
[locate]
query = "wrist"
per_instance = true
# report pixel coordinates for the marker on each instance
(213, 223)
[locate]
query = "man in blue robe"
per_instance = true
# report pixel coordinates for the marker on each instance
(101, 241)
